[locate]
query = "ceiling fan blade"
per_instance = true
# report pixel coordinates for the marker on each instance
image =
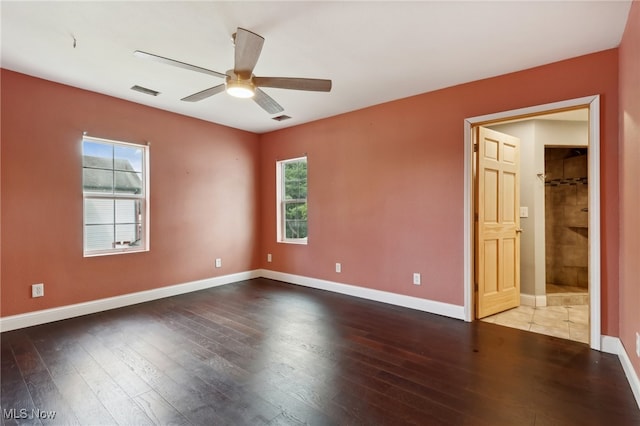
(311, 84)
(248, 48)
(204, 94)
(162, 59)
(266, 102)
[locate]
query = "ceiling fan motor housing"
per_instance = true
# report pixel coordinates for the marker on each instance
(238, 86)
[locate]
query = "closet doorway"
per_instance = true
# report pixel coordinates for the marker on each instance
(559, 217)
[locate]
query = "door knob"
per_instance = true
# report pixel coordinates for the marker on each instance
(518, 230)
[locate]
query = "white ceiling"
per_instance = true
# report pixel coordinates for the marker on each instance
(373, 51)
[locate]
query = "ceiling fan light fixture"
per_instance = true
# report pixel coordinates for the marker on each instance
(240, 89)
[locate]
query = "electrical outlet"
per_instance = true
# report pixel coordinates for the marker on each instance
(218, 263)
(638, 344)
(37, 290)
(416, 278)
(338, 268)
(268, 257)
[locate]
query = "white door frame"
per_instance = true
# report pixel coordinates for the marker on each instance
(593, 103)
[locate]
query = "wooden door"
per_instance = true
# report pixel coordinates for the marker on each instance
(497, 204)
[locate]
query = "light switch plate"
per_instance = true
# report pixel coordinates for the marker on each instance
(524, 211)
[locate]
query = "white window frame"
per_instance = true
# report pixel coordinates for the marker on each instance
(143, 197)
(281, 203)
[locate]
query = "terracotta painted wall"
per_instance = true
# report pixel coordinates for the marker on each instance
(630, 184)
(386, 182)
(204, 196)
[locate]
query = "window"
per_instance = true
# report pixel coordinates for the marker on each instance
(114, 188)
(292, 200)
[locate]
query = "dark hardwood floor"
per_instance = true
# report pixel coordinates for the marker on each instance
(265, 352)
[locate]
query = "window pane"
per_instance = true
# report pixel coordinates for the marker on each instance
(295, 220)
(295, 190)
(296, 229)
(98, 237)
(128, 158)
(127, 211)
(98, 211)
(126, 235)
(96, 154)
(296, 210)
(295, 180)
(97, 180)
(128, 183)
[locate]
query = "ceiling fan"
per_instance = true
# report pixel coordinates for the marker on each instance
(240, 81)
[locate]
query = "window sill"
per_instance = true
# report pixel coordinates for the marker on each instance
(301, 242)
(114, 252)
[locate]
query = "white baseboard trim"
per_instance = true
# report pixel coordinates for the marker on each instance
(29, 319)
(533, 300)
(610, 345)
(613, 345)
(527, 299)
(431, 306)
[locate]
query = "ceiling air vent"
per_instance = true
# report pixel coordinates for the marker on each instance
(145, 90)
(281, 117)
